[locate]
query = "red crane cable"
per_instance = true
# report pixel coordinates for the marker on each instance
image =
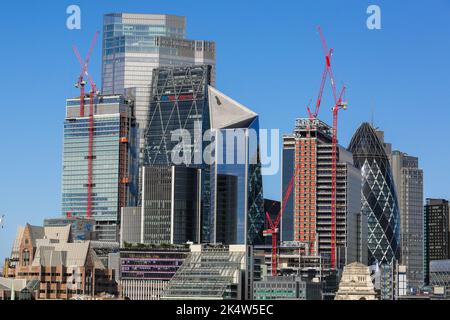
(92, 94)
(273, 226)
(327, 71)
(338, 106)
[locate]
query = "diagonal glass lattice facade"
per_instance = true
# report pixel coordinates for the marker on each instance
(180, 103)
(379, 198)
(183, 110)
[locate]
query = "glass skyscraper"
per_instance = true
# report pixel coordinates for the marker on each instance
(236, 131)
(379, 197)
(170, 210)
(114, 180)
(408, 178)
(436, 233)
(183, 99)
(135, 44)
(180, 102)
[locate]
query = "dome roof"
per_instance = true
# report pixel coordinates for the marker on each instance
(366, 144)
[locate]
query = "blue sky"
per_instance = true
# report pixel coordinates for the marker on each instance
(269, 57)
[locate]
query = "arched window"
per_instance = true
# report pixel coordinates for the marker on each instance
(25, 257)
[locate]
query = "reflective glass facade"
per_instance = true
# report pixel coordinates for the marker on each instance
(437, 233)
(113, 161)
(288, 168)
(180, 101)
(170, 205)
(135, 44)
(250, 201)
(129, 49)
(379, 198)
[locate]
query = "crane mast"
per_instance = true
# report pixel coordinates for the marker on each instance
(92, 94)
(273, 229)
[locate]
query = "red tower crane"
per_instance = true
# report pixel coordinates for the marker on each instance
(92, 93)
(327, 71)
(338, 105)
(81, 83)
(273, 225)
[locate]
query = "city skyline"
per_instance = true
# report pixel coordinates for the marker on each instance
(44, 175)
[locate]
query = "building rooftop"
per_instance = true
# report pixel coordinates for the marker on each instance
(366, 143)
(227, 113)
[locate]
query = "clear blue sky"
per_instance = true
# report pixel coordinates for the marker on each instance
(269, 57)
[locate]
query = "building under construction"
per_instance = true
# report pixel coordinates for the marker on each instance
(307, 216)
(294, 260)
(99, 174)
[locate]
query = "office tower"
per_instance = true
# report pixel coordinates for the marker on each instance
(180, 102)
(146, 271)
(408, 180)
(437, 244)
(379, 198)
(171, 201)
(183, 103)
(130, 226)
(135, 44)
(226, 208)
(235, 129)
(307, 217)
(114, 164)
(386, 145)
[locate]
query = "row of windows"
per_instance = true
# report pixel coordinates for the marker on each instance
(105, 101)
(86, 134)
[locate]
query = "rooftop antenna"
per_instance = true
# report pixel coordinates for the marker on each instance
(372, 121)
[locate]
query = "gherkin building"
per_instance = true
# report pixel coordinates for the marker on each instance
(378, 199)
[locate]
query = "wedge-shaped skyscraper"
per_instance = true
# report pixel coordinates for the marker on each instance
(219, 139)
(237, 154)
